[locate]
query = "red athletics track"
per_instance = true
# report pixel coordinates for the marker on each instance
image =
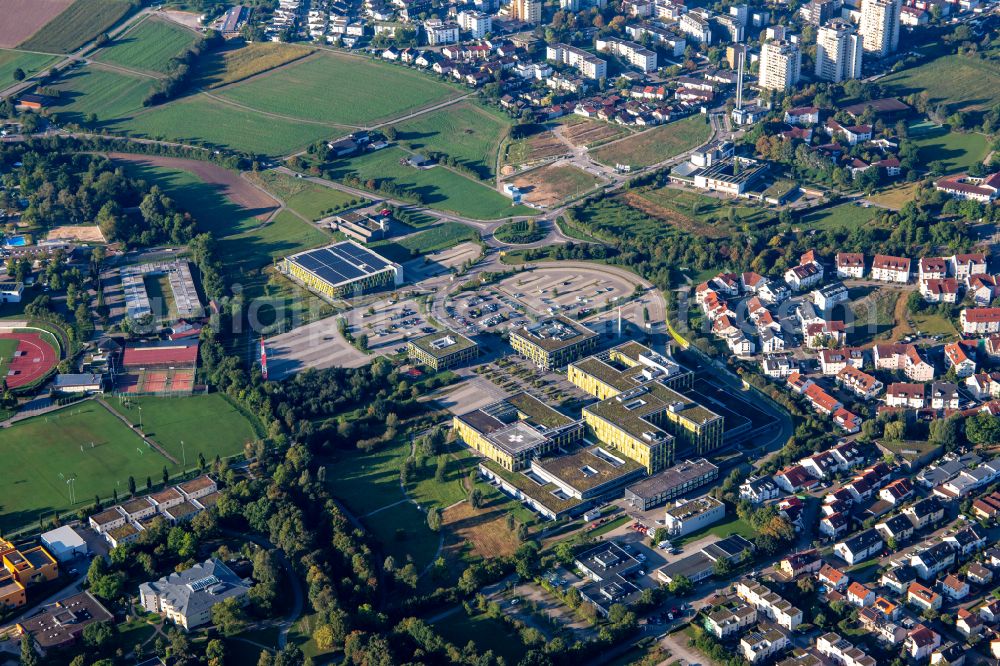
(34, 357)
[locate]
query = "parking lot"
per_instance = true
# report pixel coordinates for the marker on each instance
(566, 291)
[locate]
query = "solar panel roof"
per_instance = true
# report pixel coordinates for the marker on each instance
(342, 262)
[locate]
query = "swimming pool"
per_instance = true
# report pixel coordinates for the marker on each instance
(16, 241)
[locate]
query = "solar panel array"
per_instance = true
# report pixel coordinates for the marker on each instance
(341, 263)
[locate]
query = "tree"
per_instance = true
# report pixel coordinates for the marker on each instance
(229, 617)
(476, 498)
(434, 519)
(131, 486)
(28, 656)
(983, 429)
(215, 652)
(19, 74)
(98, 634)
(681, 585)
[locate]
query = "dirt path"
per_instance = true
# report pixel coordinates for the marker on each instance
(238, 190)
(901, 315)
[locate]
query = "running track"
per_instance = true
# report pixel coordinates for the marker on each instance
(36, 358)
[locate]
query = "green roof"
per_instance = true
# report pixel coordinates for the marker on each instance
(619, 378)
(538, 412)
(442, 343)
(569, 468)
(540, 493)
(554, 333)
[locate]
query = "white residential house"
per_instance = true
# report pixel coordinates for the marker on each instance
(886, 268)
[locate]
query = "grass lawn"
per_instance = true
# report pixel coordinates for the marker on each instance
(83, 440)
(730, 525)
(207, 424)
(403, 533)
(305, 89)
(428, 492)
(844, 216)
(28, 62)
(931, 323)
(367, 481)
(149, 46)
(203, 120)
(161, 296)
(306, 198)
(7, 349)
(657, 144)
(957, 150)
(440, 188)
(960, 82)
(487, 633)
(285, 234)
(109, 95)
(301, 635)
(443, 236)
(78, 24)
(897, 196)
(465, 131)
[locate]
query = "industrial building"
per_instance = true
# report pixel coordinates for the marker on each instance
(343, 269)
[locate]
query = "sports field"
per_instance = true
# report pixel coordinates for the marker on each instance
(107, 94)
(82, 441)
(338, 88)
(80, 23)
(207, 424)
(656, 145)
(29, 63)
(465, 131)
(306, 198)
(30, 360)
(203, 120)
(960, 82)
(148, 46)
(441, 189)
(7, 348)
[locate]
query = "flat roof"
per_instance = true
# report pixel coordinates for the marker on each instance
(671, 477)
(63, 621)
(629, 410)
(342, 263)
(554, 333)
(726, 171)
(442, 343)
(588, 467)
(543, 493)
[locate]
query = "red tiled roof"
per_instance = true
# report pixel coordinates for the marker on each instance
(888, 262)
(178, 353)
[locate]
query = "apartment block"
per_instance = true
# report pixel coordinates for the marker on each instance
(780, 65)
(586, 63)
(838, 52)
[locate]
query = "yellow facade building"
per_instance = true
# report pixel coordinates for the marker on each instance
(642, 412)
(513, 431)
(21, 569)
(554, 342)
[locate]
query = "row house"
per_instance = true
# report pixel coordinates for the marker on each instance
(842, 652)
(795, 478)
(769, 603)
(987, 507)
(832, 361)
(980, 321)
(862, 384)
(926, 512)
(898, 528)
(727, 622)
(821, 465)
(762, 643)
(887, 268)
(822, 402)
(931, 561)
(897, 492)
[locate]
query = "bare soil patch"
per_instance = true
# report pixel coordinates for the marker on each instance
(186, 19)
(543, 145)
(554, 183)
(230, 184)
(484, 529)
(591, 132)
(82, 233)
(23, 18)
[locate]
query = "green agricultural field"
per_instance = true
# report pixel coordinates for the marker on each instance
(108, 95)
(80, 23)
(83, 441)
(964, 84)
(149, 46)
(207, 424)
(338, 88)
(446, 235)
(247, 243)
(958, 150)
(465, 131)
(441, 189)
(308, 199)
(201, 119)
(657, 144)
(845, 216)
(234, 62)
(29, 63)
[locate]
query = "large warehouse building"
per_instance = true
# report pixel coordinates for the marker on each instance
(343, 269)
